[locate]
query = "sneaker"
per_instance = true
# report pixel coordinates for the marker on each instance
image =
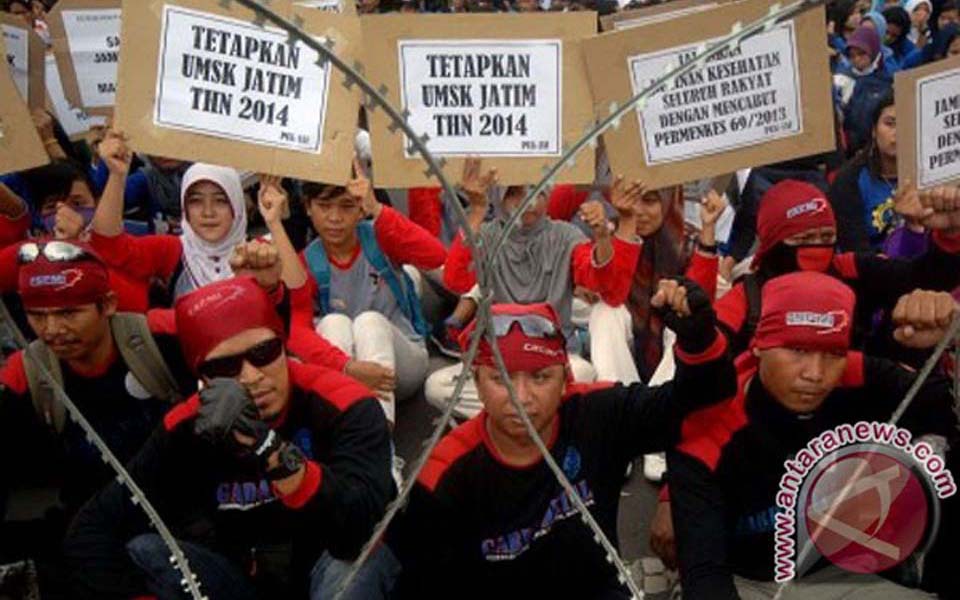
(656, 581)
(445, 345)
(654, 466)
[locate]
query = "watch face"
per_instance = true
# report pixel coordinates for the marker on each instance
(292, 458)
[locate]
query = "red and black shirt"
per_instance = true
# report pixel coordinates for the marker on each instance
(476, 527)
(206, 496)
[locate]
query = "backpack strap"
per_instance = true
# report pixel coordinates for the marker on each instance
(319, 266)
(45, 401)
(140, 352)
(7, 321)
(751, 286)
(401, 286)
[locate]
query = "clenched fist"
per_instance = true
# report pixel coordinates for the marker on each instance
(923, 317)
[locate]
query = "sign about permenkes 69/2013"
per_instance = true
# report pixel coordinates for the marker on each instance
(742, 97)
(229, 79)
(484, 97)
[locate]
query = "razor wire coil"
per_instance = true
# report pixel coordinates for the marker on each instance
(375, 97)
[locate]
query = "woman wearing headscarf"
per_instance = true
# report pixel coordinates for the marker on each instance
(919, 11)
(861, 82)
(876, 20)
(897, 38)
(627, 343)
(862, 194)
(542, 260)
(214, 221)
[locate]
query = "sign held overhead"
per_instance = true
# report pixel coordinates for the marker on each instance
(86, 40)
(206, 84)
(928, 124)
(754, 104)
(509, 88)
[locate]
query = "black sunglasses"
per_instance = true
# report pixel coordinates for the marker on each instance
(260, 355)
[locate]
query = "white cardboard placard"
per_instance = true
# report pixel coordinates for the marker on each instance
(484, 97)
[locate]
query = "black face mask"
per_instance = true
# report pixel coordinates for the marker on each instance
(783, 259)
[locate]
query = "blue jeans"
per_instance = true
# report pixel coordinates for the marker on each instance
(220, 578)
(374, 581)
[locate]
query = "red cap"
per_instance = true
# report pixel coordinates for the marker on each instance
(806, 310)
(521, 352)
(215, 313)
(788, 208)
(57, 284)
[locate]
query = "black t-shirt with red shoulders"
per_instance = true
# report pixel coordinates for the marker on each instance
(726, 472)
(476, 527)
(878, 282)
(209, 497)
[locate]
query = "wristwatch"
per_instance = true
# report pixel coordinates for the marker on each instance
(290, 460)
(711, 249)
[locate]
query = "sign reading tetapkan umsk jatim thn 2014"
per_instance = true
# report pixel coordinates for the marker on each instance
(742, 97)
(227, 78)
(484, 97)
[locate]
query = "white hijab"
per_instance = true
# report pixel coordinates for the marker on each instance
(205, 262)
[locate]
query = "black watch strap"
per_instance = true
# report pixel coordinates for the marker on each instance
(712, 249)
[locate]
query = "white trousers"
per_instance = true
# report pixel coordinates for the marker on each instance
(372, 337)
(441, 383)
(611, 344)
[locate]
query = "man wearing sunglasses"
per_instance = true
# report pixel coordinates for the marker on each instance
(271, 477)
(101, 359)
(65, 290)
(487, 510)
(69, 304)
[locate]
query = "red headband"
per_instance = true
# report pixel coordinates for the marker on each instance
(215, 313)
(520, 351)
(788, 208)
(806, 310)
(54, 284)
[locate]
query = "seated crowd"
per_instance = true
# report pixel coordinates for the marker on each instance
(244, 344)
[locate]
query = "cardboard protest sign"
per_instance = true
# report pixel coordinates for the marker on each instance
(510, 89)
(206, 84)
(86, 40)
(20, 144)
(75, 121)
(761, 103)
(24, 59)
(657, 13)
(346, 7)
(928, 124)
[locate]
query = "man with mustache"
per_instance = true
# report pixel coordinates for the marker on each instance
(271, 477)
(70, 305)
(487, 509)
(799, 380)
